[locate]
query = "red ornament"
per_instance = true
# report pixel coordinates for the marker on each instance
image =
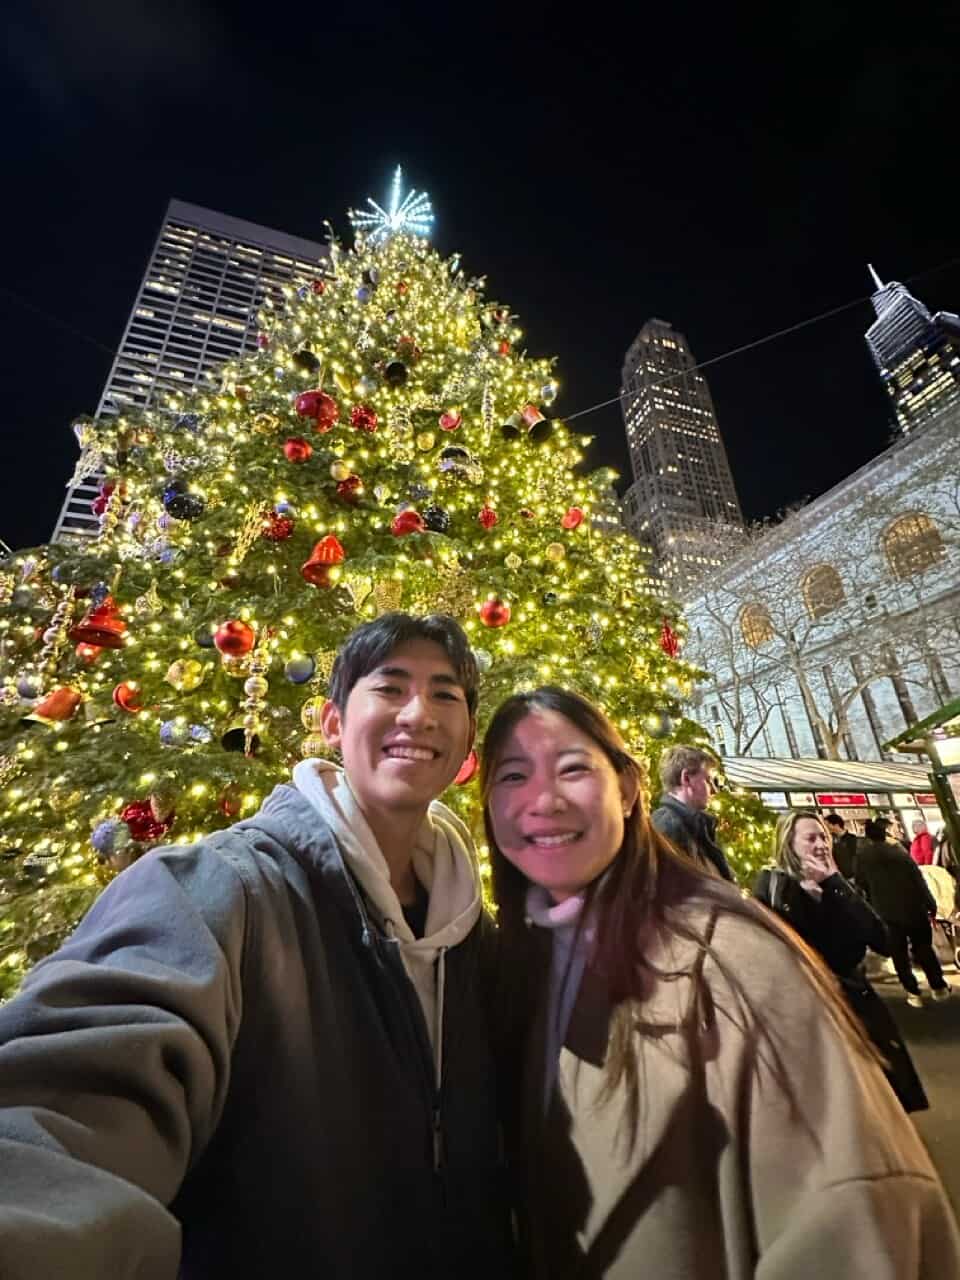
(495, 612)
(323, 409)
(318, 286)
(88, 653)
(503, 347)
(405, 522)
(144, 825)
(350, 489)
(101, 501)
(450, 420)
(486, 516)
(467, 771)
(102, 626)
(126, 696)
(669, 640)
(328, 551)
(402, 288)
(57, 706)
(531, 414)
(234, 637)
(277, 528)
(297, 449)
(363, 417)
(572, 518)
(263, 341)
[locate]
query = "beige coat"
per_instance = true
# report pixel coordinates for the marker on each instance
(782, 1160)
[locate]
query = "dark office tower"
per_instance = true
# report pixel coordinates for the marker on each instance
(917, 354)
(196, 307)
(682, 504)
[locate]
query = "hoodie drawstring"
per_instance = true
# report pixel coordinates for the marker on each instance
(438, 1060)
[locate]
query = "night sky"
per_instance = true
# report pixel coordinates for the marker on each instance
(731, 172)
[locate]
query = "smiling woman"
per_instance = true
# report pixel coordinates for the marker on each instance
(663, 1109)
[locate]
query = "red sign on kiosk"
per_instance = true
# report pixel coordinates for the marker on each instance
(850, 800)
(926, 798)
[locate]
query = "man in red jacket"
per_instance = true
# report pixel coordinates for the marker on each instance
(921, 848)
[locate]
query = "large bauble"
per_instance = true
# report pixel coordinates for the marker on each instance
(234, 637)
(300, 669)
(186, 674)
(495, 612)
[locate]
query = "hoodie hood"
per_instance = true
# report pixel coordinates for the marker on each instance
(443, 862)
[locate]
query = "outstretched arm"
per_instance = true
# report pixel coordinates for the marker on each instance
(114, 1064)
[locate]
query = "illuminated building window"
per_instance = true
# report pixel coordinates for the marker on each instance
(911, 544)
(755, 625)
(822, 590)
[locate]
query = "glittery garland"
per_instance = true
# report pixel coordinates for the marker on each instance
(250, 531)
(111, 516)
(55, 636)
(256, 688)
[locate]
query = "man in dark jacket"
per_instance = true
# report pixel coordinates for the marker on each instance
(681, 816)
(844, 846)
(899, 895)
(267, 1054)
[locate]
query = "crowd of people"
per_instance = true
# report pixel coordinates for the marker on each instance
(302, 1046)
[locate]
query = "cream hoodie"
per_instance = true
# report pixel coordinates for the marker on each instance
(443, 862)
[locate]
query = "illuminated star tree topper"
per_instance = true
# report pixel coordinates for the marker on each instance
(411, 213)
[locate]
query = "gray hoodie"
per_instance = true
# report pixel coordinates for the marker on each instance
(229, 1050)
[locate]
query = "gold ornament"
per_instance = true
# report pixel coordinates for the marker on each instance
(256, 687)
(9, 768)
(358, 586)
(325, 660)
(556, 551)
(265, 423)
(454, 592)
(250, 531)
(339, 471)
(55, 636)
(186, 674)
(149, 604)
(314, 745)
(111, 516)
(513, 561)
(310, 714)
(236, 665)
(425, 441)
(387, 594)
(6, 587)
(343, 381)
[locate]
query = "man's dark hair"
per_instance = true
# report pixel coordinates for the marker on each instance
(370, 645)
(834, 820)
(876, 828)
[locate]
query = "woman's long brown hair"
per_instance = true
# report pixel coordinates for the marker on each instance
(640, 900)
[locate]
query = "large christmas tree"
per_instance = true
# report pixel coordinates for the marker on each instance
(391, 445)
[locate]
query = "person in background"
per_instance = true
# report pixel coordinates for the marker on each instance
(269, 1054)
(844, 846)
(692, 1098)
(896, 833)
(921, 848)
(687, 777)
(898, 893)
(807, 891)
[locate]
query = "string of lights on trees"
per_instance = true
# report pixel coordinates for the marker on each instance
(390, 445)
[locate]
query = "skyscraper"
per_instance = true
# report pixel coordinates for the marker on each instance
(682, 504)
(917, 354)
(208, 275)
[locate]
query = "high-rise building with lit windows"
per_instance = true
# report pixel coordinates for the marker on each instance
(682, 505)
(917, 353)
(208, 275)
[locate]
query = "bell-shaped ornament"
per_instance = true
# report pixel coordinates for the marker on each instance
(102, 625)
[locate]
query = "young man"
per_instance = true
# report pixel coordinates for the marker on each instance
(687, 777)
(844, 846)
(267, 1054)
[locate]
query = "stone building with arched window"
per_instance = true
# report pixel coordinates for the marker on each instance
(830, 632)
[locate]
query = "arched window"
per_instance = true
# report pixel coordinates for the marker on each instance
(822, 590)
(912, 544)
(756, 626)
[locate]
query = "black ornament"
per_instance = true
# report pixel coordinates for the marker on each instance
(509, 431)
(305, 361)
(395, 373)
(541, 430)
(371, 277)
(181, 504)
(550, 598)
(204, 636)
(436, 519)
(187, 422)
